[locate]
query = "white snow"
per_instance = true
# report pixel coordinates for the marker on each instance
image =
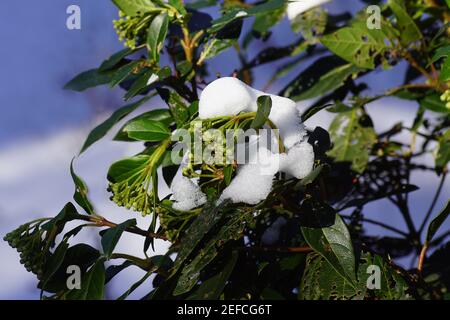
(241, 14)
(224, 97)
(153, 78)
(296, 7)
(298, 161)
(186, 194)
(248, 186)
(230, 96)
(253, 181)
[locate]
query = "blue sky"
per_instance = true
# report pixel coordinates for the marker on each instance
(42, 126)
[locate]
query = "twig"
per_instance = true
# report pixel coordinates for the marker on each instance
(277, 249)
(422, 257)
(102, 222)
(380, 224)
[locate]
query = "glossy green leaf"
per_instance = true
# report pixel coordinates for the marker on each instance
(157, 34)
(68, 213)
(133, 7)
(123, 72)
(54, 263)
(125, 168)
(213, 287)
(147, 130)
(102, 129)
(329, 82)
(160, 115)
(113, 60)
(81, 191)
(437, 222)
(80, 254)
(112, 236)
(334, 245)
(92, 284)
(262, 114)
(231, 229)
(235, 14)
(88, 79)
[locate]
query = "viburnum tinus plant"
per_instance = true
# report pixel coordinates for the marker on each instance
(296, 231)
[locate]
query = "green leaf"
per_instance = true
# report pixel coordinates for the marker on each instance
(123, 72)
(443, 154)
(352, 139)
(81, 191)
(441, 52)
(335, 245)
(262, 114)
(444, 75)
(235, 14)
(101, 130)
(54, 263)
(147, 130)
(311, 24)
(112, 236)
(160, 115)
(135, 286)
(321, 282)
(145, 79)
(263, 22)
(329, 82)
(88, 79)
(409, 31)
(68, 213)
(212, 288)
(81, 255)
(356, 44)
(214, 47)
(125, 168)
(436, 223)
(92, 284)
(157, 34)
(178, 108)
(434, 103)
(113, 60)
(207, 219)
(231, 229)
(156, 263)
(133, 7)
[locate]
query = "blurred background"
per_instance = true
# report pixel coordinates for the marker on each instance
(42, 126)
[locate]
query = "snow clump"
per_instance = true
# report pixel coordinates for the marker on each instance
(253, 181)
(229, 96)
(297, 7)
(186, 194)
